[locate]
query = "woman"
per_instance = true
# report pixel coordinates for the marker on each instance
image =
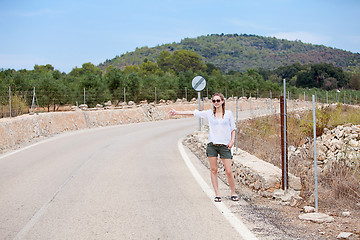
(221, 139)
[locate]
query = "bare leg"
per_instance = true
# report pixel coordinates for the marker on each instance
(213, 174)
(230, 176)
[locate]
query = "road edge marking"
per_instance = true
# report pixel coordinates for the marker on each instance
(224, 210)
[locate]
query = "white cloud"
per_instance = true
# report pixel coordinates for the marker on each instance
(306, 37)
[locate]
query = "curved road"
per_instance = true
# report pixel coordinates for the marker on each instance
(122, 182)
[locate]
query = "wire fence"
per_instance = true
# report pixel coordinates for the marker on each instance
(15, 103)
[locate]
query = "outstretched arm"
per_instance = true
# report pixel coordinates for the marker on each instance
(173, 112)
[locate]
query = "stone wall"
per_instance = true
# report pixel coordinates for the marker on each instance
(338, 144)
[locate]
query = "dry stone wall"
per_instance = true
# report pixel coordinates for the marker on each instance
(340, 144)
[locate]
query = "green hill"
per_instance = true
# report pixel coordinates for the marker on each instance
(241, 52)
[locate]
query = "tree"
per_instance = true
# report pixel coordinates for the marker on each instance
(132, 85)
(322, 71)
(164, 60)
(131, 69)
(49, 85)
(90, 78)
(115, 81)
(289, 71)
(305, 79)
(149, 68)
(87, 68)
(355, 81)
(44, 68)
(210, 68)
(181, 61)
(319, 74)
(330, 83)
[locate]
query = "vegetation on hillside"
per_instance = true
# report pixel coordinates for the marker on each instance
(242, 52)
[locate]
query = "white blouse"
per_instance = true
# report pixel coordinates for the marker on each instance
(219, 129)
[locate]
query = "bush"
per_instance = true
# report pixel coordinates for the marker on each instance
(18, 106)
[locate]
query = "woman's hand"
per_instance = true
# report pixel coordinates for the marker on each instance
(230, 144)
(172, 112)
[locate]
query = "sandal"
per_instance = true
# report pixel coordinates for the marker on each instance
(235, 198)
(217, 199)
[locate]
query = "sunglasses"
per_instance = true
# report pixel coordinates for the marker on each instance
(216, 100)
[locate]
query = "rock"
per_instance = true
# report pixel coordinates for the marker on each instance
(266, 194)
(316, 217)
(131, 103)
(99, 106)
(289, 194)
(346, 214)
(355, 129)
(353, 143)
(326, 131)
(339, 133)
(293, 202)
(309, 209)
(335, 144)
(344, 235)
(327, 141)
(278, 193)
(294, 182)
(83, 106)
(291, 149)
(321, 155)
(107, 104)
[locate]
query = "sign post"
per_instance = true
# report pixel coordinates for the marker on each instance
(199, 84)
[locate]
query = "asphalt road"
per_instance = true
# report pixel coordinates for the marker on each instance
(123, 182)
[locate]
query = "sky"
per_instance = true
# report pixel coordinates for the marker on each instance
(69, 33)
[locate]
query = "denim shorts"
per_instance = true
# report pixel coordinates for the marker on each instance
(213, 150)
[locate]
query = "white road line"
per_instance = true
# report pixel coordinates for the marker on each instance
(50, 139)
(240, 227)
(24, 148)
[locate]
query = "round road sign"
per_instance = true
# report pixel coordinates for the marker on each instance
(198, 83)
